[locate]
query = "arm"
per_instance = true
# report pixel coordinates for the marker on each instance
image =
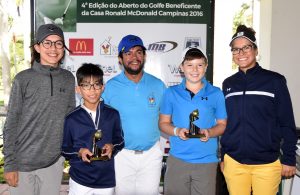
(215, 131)
(118, 136)
(167, 127)
(218, 129)
(220, 116)
(69, 151)
(10, 134)
(288, 129)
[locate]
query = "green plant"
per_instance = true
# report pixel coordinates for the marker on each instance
(243, 16)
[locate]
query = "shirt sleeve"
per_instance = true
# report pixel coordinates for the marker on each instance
(166, 105)
(286, 122)
(220, 106)
(10, 127)
(72, 140)
(118, 136)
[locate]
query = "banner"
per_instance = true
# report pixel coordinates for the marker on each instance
(93, 30)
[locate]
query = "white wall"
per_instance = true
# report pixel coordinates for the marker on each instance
(285, 47)
(278, 34)
(224, 13)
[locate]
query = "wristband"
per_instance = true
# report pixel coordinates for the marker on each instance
(175, 131)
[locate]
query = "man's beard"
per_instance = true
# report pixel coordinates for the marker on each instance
(134, 72)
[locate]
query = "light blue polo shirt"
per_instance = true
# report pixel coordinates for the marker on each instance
(138, 105)
(178, 103)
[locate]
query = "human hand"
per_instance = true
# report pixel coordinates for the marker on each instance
(107, 150)
(85, 154)
(12, 178)
(288, 171)
(222, 166)
(205, 138)
(182, 132)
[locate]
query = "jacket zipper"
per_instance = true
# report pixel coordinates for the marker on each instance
(51, 80)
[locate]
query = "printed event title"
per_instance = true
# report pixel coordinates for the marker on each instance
(142, 9)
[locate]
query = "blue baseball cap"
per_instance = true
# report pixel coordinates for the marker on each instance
(128, 42)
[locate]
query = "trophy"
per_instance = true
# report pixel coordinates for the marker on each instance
(194, 131)
(98, 151)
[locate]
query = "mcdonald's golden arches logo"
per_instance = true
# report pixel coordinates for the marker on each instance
(82, 47)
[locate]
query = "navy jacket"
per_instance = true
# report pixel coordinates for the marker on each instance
(79, 129)
(260, 118)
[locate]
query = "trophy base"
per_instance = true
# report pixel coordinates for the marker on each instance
(195, 136)
(99, 158)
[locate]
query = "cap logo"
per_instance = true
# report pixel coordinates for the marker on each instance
(240, 34)
(133, 39)
(51, 29)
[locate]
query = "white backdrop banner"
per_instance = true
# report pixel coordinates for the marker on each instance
(94, 28)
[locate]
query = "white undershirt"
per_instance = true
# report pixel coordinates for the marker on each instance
(91, 113)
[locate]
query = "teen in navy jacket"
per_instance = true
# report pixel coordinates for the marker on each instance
(260, 123)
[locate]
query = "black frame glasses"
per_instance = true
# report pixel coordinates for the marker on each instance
(88, 86)
(48, 44)
(245, 49)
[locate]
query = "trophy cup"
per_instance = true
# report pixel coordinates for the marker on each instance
(98, 151)
(194, 131)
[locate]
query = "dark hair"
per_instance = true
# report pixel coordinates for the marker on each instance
(89, 70)
(121, 53)
(246, 32)
(194, 53)
(243, 28)
(36, 56)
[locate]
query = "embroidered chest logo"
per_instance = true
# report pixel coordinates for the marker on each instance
(204, 98)
(151, 100)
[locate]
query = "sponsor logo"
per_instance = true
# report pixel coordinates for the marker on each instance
(107, 49)
(109, 69)
(162, 46)
(81, 47)
(192, 41)
(175, 69)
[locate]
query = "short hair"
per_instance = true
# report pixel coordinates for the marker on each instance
(89, 70)
(121, 53)
(194, 53)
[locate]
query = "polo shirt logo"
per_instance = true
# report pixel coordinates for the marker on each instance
(151, 100)
(204, 98)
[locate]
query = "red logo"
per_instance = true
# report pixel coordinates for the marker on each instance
(81, 47)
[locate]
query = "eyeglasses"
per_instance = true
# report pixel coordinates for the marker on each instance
(88, 86)
(245, 49)
(58, 44)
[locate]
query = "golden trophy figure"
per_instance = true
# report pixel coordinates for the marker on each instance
(96, 150)
(194, 131)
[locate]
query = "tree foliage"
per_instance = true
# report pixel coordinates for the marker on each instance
(243, 16)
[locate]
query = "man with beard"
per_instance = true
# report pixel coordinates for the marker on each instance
(137, 96)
